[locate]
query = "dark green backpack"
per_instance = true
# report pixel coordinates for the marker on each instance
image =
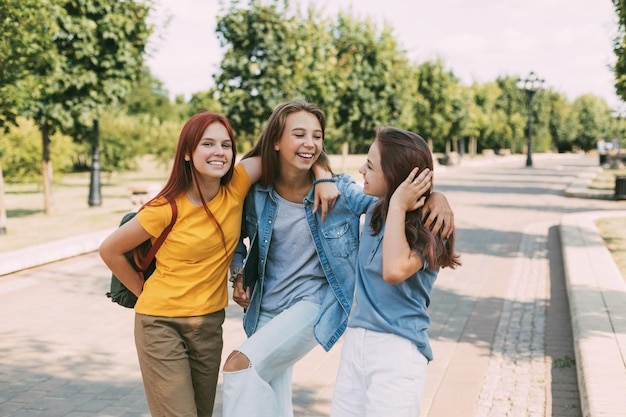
(142, 260)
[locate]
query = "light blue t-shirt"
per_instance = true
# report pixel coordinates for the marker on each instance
(400, 309)
(294, 272)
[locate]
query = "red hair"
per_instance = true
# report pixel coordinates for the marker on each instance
(184, 174)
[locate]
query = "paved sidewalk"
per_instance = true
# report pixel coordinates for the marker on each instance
(67, 352)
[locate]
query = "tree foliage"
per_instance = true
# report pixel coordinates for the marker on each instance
(619, 48)
(593, 115)
(99, 50)
(372, 80)
(20, 149)
(26, 49)
(81, 59)
(256, 73)
(436, 90)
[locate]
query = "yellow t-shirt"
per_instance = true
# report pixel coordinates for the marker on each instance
(192, 265)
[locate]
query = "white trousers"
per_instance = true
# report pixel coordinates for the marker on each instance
(264, 389)
(380, 375)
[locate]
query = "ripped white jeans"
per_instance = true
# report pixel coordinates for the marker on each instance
(264, 389)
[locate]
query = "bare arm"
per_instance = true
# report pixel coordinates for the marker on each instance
(112, 251)
(399, 260)
(326, 193)
(252, 166)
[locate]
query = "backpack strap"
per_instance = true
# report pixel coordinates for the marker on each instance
(157, 243)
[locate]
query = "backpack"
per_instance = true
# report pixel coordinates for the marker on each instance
(142, 260)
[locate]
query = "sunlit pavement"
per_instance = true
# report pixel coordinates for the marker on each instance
(501, 325)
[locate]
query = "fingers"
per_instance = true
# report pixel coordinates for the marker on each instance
(325, 207)
(424, 175)
(448, 228)
(241, 296)
(437, 223)
(419, 203)
(412, 177)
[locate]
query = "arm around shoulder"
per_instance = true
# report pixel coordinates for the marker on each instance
(252, 166)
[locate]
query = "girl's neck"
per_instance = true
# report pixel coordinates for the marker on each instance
(209, 191)
(294, 187)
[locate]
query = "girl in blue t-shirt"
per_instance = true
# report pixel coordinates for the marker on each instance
(386, 350)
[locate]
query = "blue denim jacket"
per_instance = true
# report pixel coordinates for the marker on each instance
(336, 242)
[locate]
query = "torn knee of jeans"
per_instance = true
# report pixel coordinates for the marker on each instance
(236, 361)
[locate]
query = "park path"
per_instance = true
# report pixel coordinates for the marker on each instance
(501, 330)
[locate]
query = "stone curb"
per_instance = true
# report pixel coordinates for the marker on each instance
(579, 188)
(44, 253)
(597, 298)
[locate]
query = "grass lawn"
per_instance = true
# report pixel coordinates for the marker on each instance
(605, 180)
(613, 231)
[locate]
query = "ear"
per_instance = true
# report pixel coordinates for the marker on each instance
(276, 147)
(187, 157)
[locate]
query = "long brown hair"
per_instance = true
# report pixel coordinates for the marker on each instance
(272, 132)
(184, 174)
(400, 152)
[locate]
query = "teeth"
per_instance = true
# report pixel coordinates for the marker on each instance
(216, 163)
(306, 155)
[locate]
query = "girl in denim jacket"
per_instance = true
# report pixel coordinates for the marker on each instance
(306, 263)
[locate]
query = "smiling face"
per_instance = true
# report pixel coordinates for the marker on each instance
(374, 182)
(213, 156)
(301, 142)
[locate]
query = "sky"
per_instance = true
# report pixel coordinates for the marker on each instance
(568, 43)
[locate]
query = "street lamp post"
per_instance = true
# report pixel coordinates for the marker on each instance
(530, 85)
(95, 193)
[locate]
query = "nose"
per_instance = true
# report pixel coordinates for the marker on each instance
(308, 141)
(362, 170)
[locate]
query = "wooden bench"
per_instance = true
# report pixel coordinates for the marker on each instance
(140, 193)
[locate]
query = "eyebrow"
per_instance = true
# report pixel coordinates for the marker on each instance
(216, 139)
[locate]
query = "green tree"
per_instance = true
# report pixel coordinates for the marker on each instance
(482, 118)
(510, 115)
(20, 148)
(28, 28)
(26, 50)
(257, 71)
(100, 47)
(204, 100)
(355, 73)
(619, 48)
(372, 80)
(563, 127)
(148, 96)
(435, 107)
(594, 116)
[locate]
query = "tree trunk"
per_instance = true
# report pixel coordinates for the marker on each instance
(3, 208)
(473, 146)
(46, 168)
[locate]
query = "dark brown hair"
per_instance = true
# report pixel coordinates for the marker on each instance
(400, 152)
